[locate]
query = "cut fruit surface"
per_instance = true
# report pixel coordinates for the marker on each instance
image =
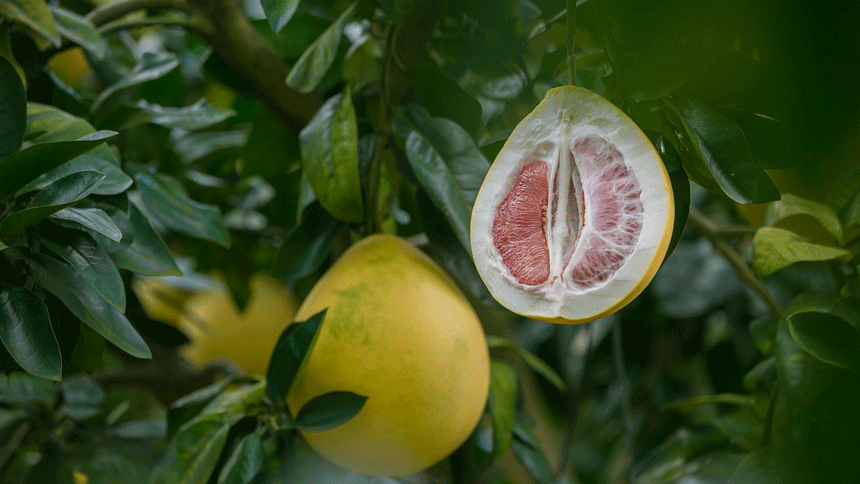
(575, 215)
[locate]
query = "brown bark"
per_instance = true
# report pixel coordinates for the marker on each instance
(235, 41)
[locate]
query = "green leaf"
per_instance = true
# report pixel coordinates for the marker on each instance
(535, 363)
(290, 357)
(91, 261)
(790, 205)
(269, 136)
(852, 214)
(28, 164)
(312, 66)
(448, 165)
(329, 146)
(11, 417)
(82, 397)
(762, 330)
(775, 143)
(167, 201)
(775, 248)
(781, 461)
(680, 187)
(19, 387)
(801, 376)
(147, 255)
(55, 197)
(62, 281)
(742, 427)
(189, 406)
(199, 115)
(502, 405)
(328, 411)
(527, 450)
(79, 30)
(245, 462)
(362, 64)
(307, 245)
(279, 12)
(152, 65)
(33, 14)
(845, 190)
(47, 124)
(235, 401)
(26, 332)
(192, 454)
(449, 252)
(444, 98)
(688, 404)
(94, 220)
(154, 428)
(827, 337)
(195, 147)
(89, 349)
(720, 142)
(13, 109)
(671, 458)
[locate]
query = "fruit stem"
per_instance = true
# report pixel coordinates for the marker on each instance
(707, 228)
(571, 29)
(372, 217)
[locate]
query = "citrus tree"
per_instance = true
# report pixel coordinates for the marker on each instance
(177, 176)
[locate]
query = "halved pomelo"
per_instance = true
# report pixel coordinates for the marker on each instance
(575, 215)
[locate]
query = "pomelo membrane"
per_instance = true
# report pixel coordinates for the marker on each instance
(575, 215)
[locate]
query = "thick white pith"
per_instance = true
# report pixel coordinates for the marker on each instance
(549, 134)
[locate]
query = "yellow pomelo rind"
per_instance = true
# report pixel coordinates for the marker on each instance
(400, 332)
(70, 66)
(580, 112)
(218, 330)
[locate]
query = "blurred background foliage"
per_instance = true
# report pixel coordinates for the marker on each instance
(186, 144)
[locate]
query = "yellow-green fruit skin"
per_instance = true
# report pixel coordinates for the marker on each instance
(400, 332)
(218, 330)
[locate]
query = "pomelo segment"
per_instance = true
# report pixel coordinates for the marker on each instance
(518, 227)
(575, 214)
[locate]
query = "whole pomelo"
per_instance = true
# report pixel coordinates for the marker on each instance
(218, 330)
(400, 332)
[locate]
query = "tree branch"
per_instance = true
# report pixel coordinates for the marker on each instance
(705, 227)
(571, 28)
(251, 58)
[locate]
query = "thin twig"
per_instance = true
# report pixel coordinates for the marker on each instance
(16, 441)
(571, 28)
(621, 371)
(575, 395)
(374, 171)
(771, 411)
(707, 228)
(736, 231)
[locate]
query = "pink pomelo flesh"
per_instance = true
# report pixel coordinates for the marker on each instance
(589, 220)
(520, 224)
